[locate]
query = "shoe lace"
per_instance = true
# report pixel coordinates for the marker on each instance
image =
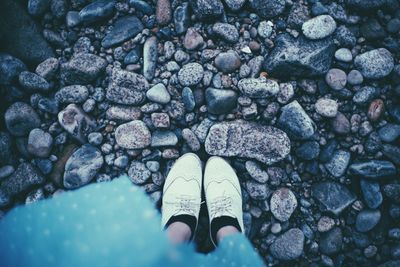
(221, 205)
(186, 204)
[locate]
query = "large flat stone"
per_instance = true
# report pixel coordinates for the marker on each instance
(248, 140)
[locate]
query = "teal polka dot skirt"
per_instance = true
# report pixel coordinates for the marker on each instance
(104, 224)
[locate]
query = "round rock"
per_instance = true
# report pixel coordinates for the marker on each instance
(344, 55)
(138, 172)
(283, 204)
(288, 246)
(355, 77)
(21, 118)
(159, 94)
(82, 166)
(40, 143)
(367, 219)
(331, 241)
(220, 101)
(336, 79)
(193, 40)
(133, 135)
(326, 107)
(319, 27)
(191, 74)
(227, 62)
(226, 31)
(375, 64)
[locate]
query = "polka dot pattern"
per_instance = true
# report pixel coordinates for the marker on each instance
(105, 224)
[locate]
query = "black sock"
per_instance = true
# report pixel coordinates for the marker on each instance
(186, 219)
(222, 221)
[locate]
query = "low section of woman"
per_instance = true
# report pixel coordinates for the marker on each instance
(115, 224)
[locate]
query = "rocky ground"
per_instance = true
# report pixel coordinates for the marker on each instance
(301, 96)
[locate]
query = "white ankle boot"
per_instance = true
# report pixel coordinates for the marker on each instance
(182, 189)
(222, 190)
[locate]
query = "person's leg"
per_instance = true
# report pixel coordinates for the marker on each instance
(179, 232)
(181, 199)
(224, 199)
(226, 231)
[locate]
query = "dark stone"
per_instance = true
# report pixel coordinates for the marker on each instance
(82, 69)
(188, 98)
(392, 191)
(59, 8)
(142, 6)
(328, 150)
(365, 5)
(72, 94)
(308, 150)
(207, 9)
(389, 133)
(338, 12)
(289, 245)
(96, 11)
(331, 242)
(20, 35)
(10, 68)
(182, 18)
(361, 240)
(227, 62)
(268, 8)
(372, 30)
(373, 143)
(333, 197)
(72, 19)
(299, 57)
(341, 124)
(337, 165)
(393, 25)
(21, 180)
(133, 56)
(392, 152)
(365, 95)
(38, 7)
(44, 165)
(367, 219)
(32, 82)
(6, 155)
(82, 166)
(372, 193)
(48, 105)
(345, 37)
(220, 101)
(295, 122)
(373, 169)
(318, 9)
(126, 87)
(123, 29)
(299, 13)
(21, 118)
